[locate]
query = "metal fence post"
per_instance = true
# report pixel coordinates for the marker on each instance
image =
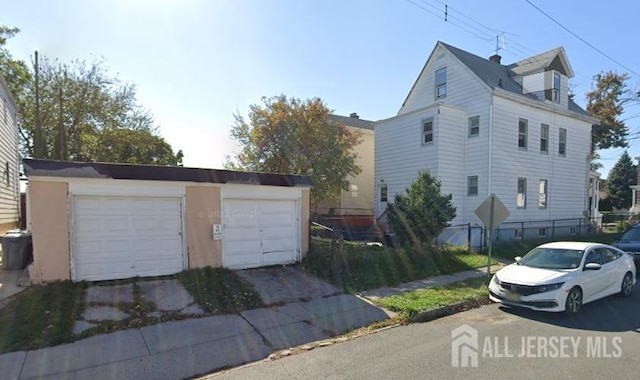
(522, 231)
(469, 236)
(553, 229)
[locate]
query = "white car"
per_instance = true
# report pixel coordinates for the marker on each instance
(562, 276)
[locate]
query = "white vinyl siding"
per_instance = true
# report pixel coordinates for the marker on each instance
(566, 176)
(454, 156)
(9, 161)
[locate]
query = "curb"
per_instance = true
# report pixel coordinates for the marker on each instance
(430, 315)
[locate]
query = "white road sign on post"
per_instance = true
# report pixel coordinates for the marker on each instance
(492, 212)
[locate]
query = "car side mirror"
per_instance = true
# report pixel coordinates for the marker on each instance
(518, 258)
(592, 266)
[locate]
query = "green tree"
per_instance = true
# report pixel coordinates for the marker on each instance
(285, 135)
(622, 176)
(606, 103)
(84, 114)
(422, 213)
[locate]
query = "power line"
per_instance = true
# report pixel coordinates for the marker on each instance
(581, 39)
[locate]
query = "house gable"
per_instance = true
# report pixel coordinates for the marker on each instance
(459, 75)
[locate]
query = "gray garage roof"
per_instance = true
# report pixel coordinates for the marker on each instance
(51, 168)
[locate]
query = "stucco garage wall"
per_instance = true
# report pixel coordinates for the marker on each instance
(203, 210)
(49, 225)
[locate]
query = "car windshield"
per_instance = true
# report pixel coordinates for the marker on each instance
(552, 258)
(631, 235)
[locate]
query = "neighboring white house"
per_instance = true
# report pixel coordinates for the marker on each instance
(359, 199)
(482, 127)
(9, 161)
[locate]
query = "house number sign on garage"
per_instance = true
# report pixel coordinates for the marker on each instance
(217, 232)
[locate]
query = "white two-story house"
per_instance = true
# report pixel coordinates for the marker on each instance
(486, 128)
(9, 161)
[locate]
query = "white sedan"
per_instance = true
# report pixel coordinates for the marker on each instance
(562, 276)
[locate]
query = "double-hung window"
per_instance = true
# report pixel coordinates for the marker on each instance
(427, 131)
(472, 185)
(383, 193)
(544, 138)
(522, 193)
(522, 133)
(474, 126)
(542, 193)
(555, 93)
(562, 142)
(441, 83)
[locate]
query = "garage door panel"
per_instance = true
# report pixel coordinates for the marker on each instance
(121, 237)
(277, 232)
(259, 232)
(243, 261)
(278, 257)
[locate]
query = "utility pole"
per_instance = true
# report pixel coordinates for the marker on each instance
(38, 151)
(61, 134)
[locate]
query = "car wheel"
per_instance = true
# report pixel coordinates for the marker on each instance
(574, 301)
(627, 285)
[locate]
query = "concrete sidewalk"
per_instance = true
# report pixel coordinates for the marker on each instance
(183, 349)
(192, 347)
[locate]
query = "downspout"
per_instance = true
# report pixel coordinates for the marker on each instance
(490, 176)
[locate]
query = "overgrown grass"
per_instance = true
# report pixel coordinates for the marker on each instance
(219, 290)
(41, 316)
(44, 316)
(357, 267)
(514, 248)
(411, 303)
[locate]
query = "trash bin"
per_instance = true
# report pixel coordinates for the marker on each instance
(17, 249)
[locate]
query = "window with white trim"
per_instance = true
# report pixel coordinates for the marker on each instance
(522, 133)
(562, 142)
(521, 201)
(427, 131)
(474, 126)
(544, 138)
(383, 193)
(472, 185)
(542, 193)
(556, 88)
(441, 83)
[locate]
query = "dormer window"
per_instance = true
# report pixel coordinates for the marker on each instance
(556, 88)
(441, 83)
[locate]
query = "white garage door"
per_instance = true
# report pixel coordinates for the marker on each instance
(259, 232)
(122, 237)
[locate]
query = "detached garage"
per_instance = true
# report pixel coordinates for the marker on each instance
(97, 221)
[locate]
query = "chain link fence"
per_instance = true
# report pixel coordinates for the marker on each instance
(475, 236)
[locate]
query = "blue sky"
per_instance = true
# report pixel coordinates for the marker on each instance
(197, 62)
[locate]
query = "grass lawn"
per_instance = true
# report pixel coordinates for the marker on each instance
(362, 267)
(411, 303)
(44, 316)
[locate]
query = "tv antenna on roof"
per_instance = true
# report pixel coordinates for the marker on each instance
(500, 38)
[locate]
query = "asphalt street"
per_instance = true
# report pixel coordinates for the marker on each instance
(603, 341)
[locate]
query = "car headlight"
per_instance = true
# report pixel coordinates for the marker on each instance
(495, 280)
(548, 288)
